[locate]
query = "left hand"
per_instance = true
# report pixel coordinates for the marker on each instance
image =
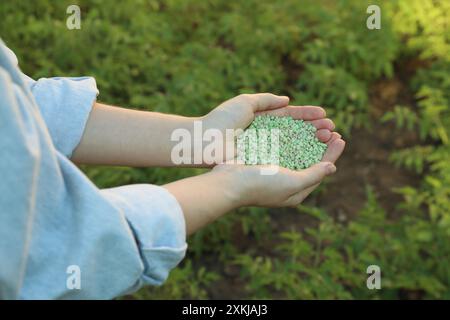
(239, 112)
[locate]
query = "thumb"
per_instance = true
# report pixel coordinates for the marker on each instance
(314, 174)
(266, 101)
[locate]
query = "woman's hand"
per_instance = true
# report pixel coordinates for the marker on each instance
(206, 197)
(239, 112)
(285, 187)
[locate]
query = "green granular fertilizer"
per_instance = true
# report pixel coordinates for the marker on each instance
(298, 146)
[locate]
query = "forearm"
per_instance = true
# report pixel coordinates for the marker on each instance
(118, 136)
(205, 198)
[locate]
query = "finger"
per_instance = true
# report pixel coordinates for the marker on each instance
(323, 135)
(334, 136)
(323, 124)
(334, 150)
(265, 101)
(313, 175)
(299, 112)
(300, 196)
(296, 199)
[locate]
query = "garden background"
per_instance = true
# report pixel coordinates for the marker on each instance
(388, 91)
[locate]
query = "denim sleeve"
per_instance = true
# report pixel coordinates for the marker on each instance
(60, 236)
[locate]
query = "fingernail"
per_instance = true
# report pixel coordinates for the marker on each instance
(331, 168)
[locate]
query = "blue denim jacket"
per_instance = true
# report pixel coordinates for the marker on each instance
(60, 236)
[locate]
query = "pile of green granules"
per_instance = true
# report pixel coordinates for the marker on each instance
(298, 146)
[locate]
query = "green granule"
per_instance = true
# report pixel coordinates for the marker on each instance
(298, 146)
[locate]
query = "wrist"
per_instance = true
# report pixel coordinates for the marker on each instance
(233, 185)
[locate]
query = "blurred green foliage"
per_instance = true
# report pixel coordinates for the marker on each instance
(186, 57)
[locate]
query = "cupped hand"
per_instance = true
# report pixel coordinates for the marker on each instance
(239, 112)
(286, 187)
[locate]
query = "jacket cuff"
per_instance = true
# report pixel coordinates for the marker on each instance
(158, 224)
(65, 104)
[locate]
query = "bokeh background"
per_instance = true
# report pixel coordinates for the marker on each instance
(388, 91)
